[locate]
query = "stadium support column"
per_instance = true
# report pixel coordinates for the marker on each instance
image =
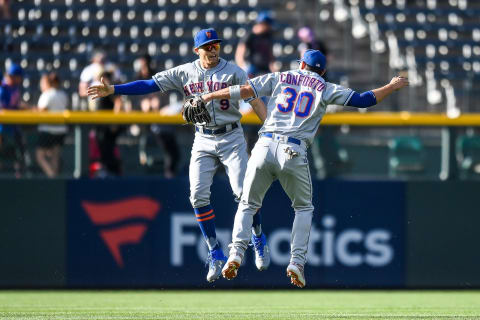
(448, 165)
(81, 152)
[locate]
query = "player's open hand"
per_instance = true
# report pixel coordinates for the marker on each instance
(100, 91)
(398, 82)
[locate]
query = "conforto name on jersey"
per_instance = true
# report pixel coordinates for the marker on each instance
(302, 80)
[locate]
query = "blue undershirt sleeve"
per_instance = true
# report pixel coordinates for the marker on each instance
(4, 98)
(362, 100)
(137, 87)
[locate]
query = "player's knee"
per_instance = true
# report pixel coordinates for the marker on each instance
(249, 205)
(198, 202)
(246, 209)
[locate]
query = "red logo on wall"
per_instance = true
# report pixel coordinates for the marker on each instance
(104, 214)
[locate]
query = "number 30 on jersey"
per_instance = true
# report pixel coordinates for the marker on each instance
(301, 103)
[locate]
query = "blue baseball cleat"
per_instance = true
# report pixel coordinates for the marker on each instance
(262, 253)
(216, 260)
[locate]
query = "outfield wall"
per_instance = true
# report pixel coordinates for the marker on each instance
(141, 233)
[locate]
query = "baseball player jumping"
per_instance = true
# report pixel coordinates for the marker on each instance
(219, 136)
(298, 102)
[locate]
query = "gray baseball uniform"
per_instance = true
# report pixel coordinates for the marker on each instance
(210, 150)
(298, 102)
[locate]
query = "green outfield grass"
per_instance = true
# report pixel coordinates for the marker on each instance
(238, 304)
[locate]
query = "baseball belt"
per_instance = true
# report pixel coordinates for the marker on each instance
(282, 138)
(226, 128)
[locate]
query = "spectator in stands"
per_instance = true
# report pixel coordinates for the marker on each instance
(90, 73)
(50, 139)
(309, 41)
(328, 162)
(5, 9)
(143, 64)
(114, 103)
(12, 145)
(163, 135)
(106, 135)
(254, 52)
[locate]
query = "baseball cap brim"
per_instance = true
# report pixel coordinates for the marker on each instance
(208, 42)
(301, 60)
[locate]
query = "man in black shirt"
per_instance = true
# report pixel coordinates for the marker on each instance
(106, 135)
(254, 52)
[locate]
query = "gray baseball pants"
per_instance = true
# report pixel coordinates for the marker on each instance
(208, 153)
(269, 162)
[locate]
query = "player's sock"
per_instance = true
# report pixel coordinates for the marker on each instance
(257, 224)
(206, 221)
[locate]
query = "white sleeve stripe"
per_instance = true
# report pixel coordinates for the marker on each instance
(253, 87)
(158, 83)
(349, 97)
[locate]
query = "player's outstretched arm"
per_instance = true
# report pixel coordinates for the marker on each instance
(101, 90)
(260, 109)
(234, 92)
(395, 84)
(138, 87)
(373, 97)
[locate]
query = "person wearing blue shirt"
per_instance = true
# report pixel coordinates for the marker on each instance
(11, 139)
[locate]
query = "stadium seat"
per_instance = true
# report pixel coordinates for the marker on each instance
(60, 34)
(439, 28)
(406, 156)
(330, 159)
(468, 155)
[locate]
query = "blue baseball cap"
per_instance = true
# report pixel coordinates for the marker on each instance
(206, 36)
(15, 70)
(264, 16)
(314, 58)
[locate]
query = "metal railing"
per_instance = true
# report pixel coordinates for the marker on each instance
(370, 119)
(343, 118)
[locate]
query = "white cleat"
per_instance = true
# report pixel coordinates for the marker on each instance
(295, 272)
(216, 260)
(230, 268)
(262, 253)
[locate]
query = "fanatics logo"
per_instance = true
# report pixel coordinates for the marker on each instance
(108, 215)
(209, 34)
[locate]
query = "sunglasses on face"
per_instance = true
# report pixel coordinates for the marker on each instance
(209, 47)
